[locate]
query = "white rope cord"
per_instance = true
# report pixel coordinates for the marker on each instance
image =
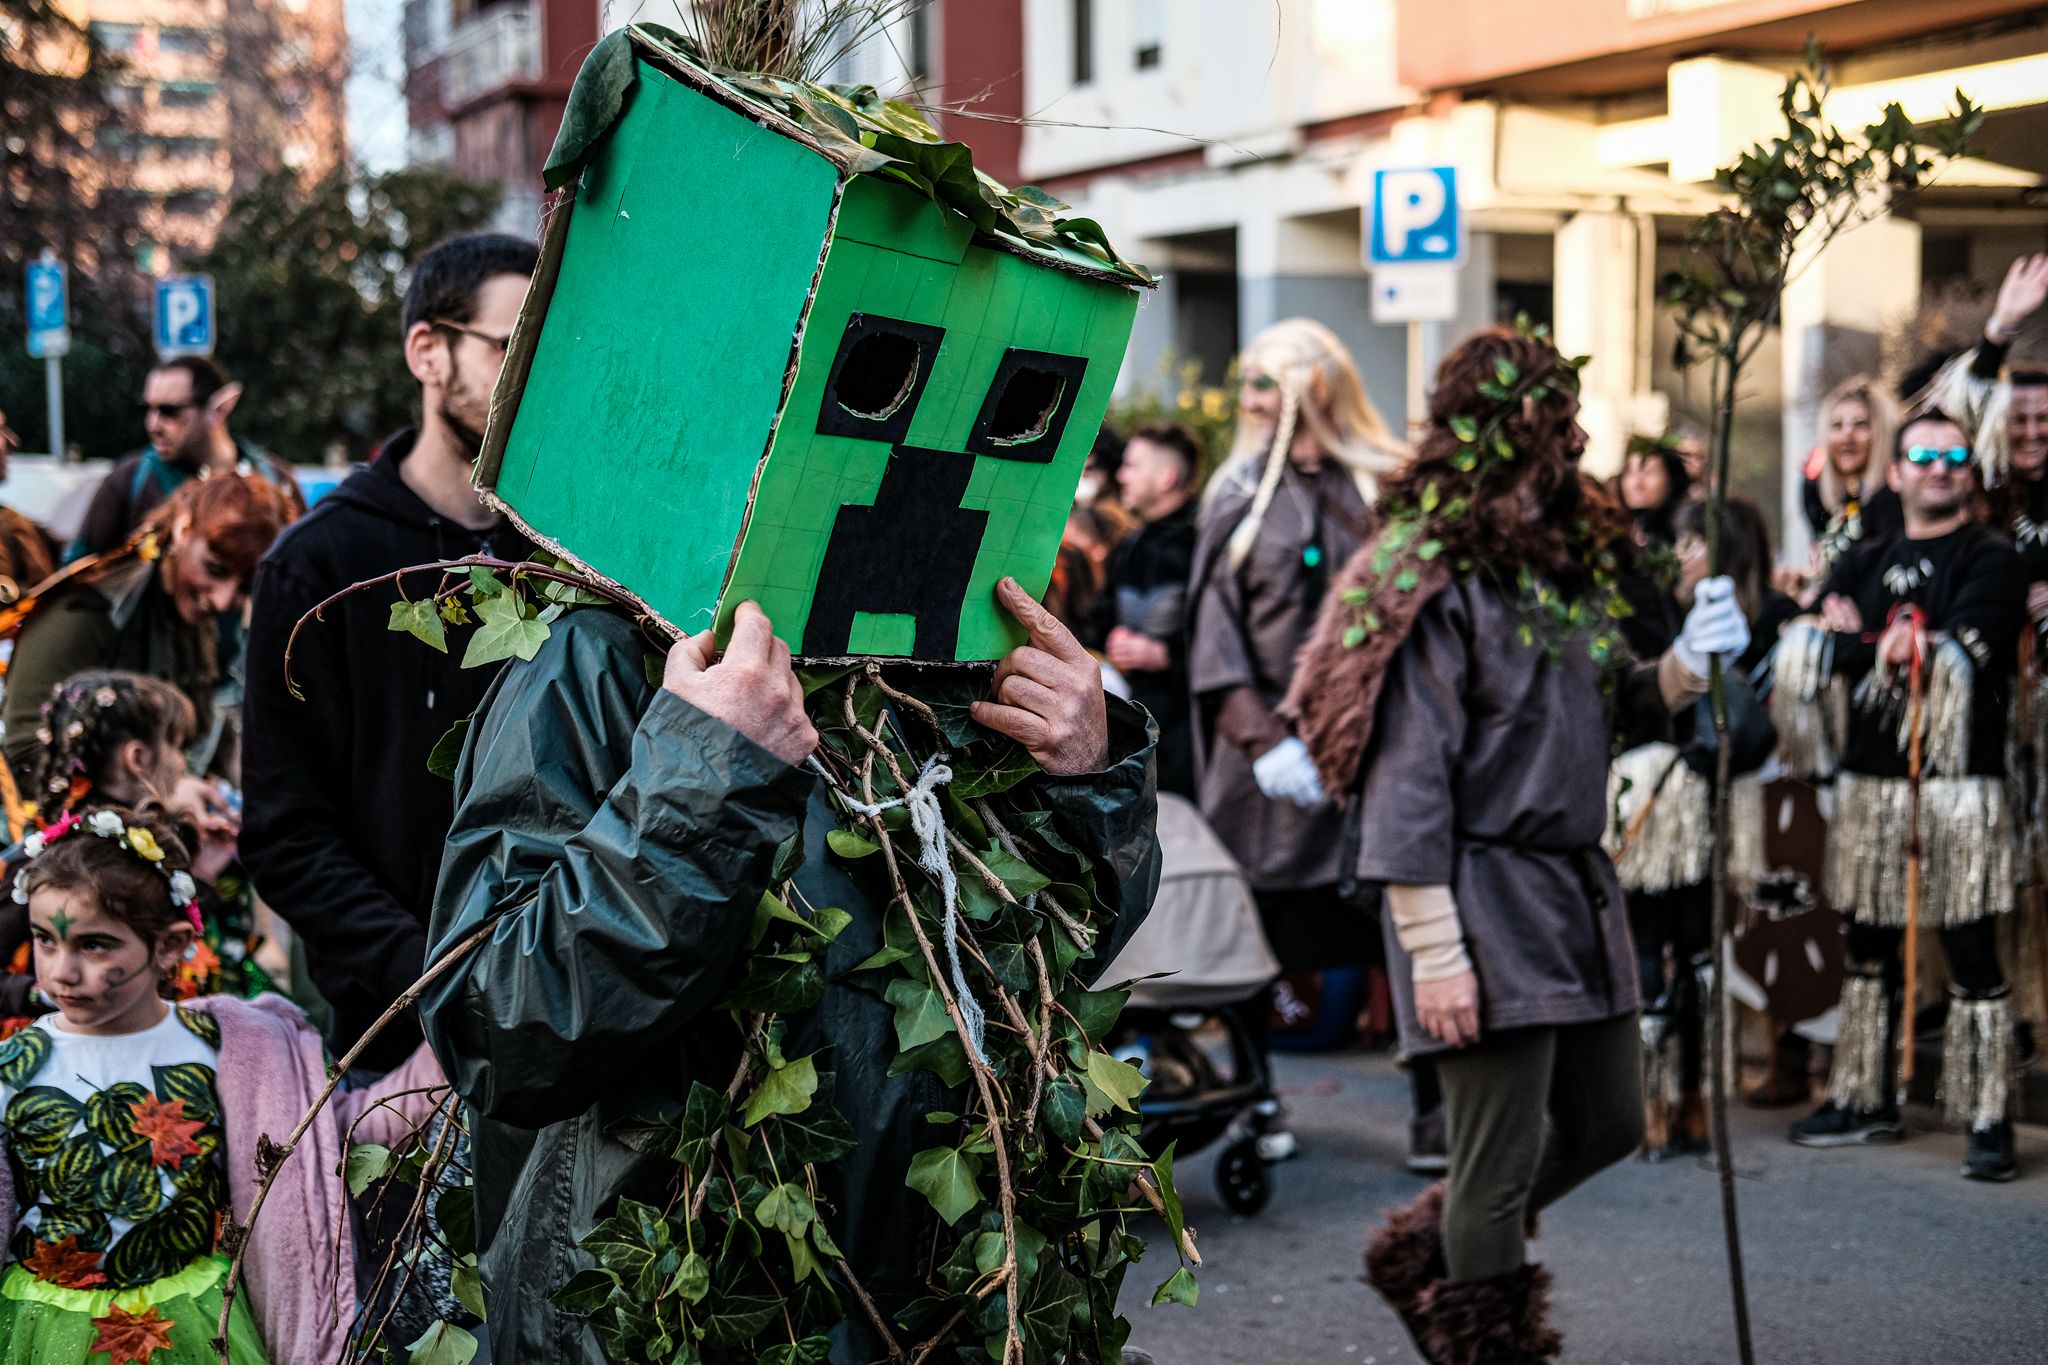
(927, 819)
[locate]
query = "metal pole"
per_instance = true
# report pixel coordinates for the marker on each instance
(53, 391)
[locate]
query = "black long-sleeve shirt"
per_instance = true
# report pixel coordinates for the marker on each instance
(1970, 586)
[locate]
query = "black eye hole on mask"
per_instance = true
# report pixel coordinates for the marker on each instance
(1027, 406)
(878, 375)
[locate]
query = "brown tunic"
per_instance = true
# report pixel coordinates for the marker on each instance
(1245, 630)
(1488, 774)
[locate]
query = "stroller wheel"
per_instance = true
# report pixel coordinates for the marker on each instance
(1241, 1178)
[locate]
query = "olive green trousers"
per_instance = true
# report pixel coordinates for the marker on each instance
(1531, 1113)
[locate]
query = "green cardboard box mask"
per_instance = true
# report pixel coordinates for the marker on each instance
(766, 359)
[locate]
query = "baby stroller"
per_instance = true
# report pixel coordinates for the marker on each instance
(1199, 959)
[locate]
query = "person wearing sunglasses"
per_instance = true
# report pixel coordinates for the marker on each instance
(1924, 627)
(185, 406)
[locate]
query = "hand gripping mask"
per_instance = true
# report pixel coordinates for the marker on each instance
(775, 354)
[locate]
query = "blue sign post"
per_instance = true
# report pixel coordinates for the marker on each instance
(1415, 217)
(49, 334)
(184, 315)
(49, 308)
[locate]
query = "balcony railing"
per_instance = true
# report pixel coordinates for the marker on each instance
(494, 50)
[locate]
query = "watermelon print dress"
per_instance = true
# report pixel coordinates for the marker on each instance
(116, 1150)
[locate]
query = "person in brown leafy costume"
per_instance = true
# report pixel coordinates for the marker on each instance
(1459, 693)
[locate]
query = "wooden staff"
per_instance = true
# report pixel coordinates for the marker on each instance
(1912, 944)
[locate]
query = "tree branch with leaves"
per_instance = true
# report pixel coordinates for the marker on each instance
(1787, 201)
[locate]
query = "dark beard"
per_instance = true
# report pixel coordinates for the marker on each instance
(468, 437)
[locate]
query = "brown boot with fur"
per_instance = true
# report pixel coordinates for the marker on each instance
(1406, 1254)
(1499, 1321)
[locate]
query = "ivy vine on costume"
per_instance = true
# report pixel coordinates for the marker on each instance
(116, 1150)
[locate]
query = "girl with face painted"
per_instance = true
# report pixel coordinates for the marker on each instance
(109, 736)
(132, 1124)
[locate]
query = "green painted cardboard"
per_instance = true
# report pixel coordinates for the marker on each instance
(675, 412)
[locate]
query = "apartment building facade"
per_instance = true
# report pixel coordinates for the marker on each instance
(214, 94)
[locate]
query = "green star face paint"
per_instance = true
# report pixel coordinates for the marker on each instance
(60, 925)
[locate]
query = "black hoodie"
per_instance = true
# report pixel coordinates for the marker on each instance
(343, 825)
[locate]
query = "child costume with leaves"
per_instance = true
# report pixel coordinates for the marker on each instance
(129, 1157)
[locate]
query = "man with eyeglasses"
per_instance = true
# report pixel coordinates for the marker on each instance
(344, 824)
(1923, 628)
(186, 403)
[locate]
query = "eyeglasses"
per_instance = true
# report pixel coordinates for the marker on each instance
(164, 409)
(500, 343)
(1957, 457)
(1262, 383)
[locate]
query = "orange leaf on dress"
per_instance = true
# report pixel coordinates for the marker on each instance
(64, 1264)
(168, 1130)
(131, 1338)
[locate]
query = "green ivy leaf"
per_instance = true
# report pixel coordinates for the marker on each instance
(1095, 1011)
(692, 1279)
(586, 1291)
(847, 844)
(1019, 876)
(421, 620)
(468, 1287)
(505, 632)
(947, 1178)
(1354, 636)
(705, 1112)
(785, 1090)
(809, 1351)
(1428, 550)
(1011, 765)
(446, 755)
(786, 1209)
(1064, 1108)
(920, 1013)
(1111, 1082)
(367, 1163)
(777, 985)
(1406, 580)
(1504, 370)
(1464, 428)
(1180, 1287)
(443, 1344)
(452, 611)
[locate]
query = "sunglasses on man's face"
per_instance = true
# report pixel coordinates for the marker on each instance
(1956, 457)
(165, 409)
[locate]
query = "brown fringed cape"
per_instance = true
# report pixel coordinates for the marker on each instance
(1337, 688)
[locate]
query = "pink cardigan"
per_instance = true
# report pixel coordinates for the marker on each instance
(300, 1270)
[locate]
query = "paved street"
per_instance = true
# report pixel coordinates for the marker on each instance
(1863, 1257)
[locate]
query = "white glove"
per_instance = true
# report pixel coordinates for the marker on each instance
(1713, 626)
(1285, 772)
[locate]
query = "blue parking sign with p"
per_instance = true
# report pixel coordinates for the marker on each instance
(1415, 217)
(184, 315)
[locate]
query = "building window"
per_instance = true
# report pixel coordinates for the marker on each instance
(186, 94)
(1084, 41)
(193, 41)
(193, 202)
(920, 53)
(116, 37)
(184, 147)
(1150, 32)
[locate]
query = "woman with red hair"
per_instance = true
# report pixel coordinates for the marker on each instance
(153, 606)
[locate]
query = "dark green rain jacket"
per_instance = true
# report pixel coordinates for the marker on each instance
(628, 836)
